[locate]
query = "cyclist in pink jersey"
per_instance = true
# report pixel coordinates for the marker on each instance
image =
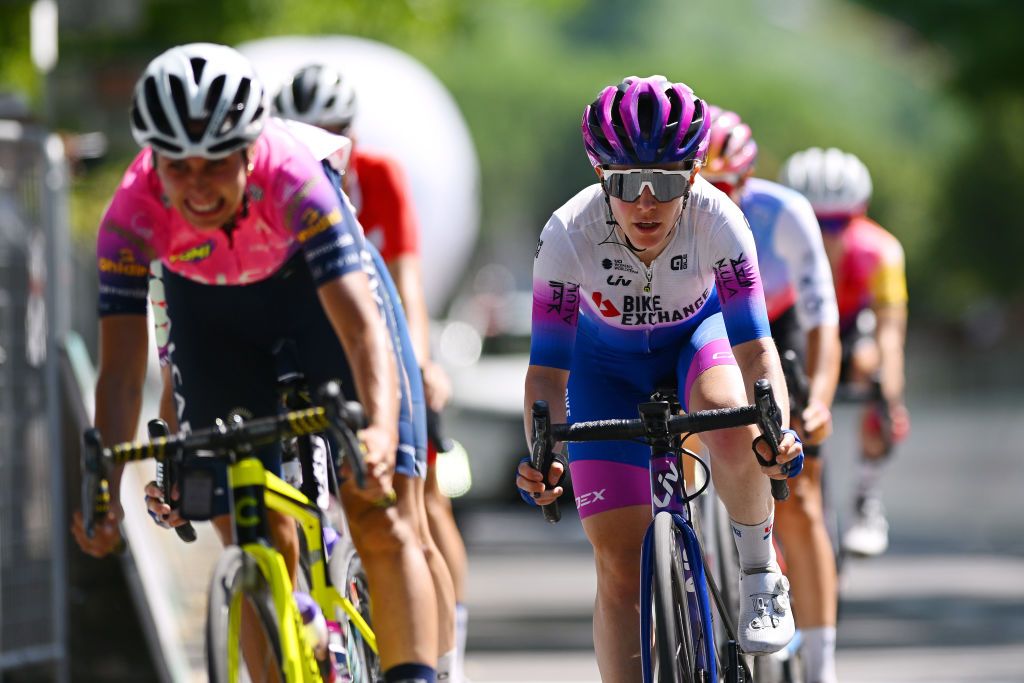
(320, 95)
(871, 289)
(802, 312)
(257, 245)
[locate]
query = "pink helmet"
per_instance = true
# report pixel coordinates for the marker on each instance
(731, 150)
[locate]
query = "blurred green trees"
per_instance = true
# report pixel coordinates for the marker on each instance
(928, 94)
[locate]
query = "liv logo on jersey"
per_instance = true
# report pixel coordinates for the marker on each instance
(614, 280)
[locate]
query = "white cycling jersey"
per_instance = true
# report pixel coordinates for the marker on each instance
(790, 253)
(586, 279)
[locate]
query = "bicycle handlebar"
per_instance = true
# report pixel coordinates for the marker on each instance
(764, 413)
(342, 418)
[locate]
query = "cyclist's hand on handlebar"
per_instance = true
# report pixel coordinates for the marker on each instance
(816, 423)
(529, 481)
(159, 510)
(379, 449)
(106, 537)
(790, 459)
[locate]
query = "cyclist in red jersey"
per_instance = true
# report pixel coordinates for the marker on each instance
(871, 291)
(319, 95)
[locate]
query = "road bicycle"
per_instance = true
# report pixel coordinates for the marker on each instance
(251, 572)
(678, 641)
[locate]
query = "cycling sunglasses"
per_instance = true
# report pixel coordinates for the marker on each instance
(629, 184)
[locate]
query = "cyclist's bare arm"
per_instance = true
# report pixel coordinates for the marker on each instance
(123, 352)
(759, 359)
(124, 349)
(890, 334)
(542, 384)
(824, 355)
(352, 310)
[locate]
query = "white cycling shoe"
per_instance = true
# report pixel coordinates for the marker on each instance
(766, 620)
(869, 534)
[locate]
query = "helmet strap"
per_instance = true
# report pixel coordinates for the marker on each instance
(611, 238)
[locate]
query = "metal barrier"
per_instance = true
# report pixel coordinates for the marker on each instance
(33, 317)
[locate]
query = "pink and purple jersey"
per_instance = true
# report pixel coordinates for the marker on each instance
(289, 205)
(586, 282)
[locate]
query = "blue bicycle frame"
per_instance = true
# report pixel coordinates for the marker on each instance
(668, 498)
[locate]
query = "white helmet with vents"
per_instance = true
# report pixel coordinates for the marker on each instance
(319, 95)
(198, 100)
(835, 182)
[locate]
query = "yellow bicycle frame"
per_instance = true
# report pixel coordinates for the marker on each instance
(246, 477)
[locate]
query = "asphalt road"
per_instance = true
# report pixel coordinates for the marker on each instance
(944, 605)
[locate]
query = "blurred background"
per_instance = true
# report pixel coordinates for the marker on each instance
(929, 95)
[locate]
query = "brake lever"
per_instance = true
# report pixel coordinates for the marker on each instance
(541, 456)
(167, 478)
(345, 419)
(769, 422)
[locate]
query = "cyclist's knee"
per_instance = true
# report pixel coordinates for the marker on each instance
(730, 448)
(381, 533)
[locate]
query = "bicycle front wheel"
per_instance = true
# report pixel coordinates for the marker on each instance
(672, 649)
(238, 592)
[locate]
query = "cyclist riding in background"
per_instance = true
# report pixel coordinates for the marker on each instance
(257, 244)
(645, 279)
(802, 312)
(871, 290)
(322, 96)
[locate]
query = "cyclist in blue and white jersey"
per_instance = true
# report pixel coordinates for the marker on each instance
(802, 310)
(648, 277)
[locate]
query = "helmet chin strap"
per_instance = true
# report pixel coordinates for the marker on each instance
(614, 224)
(243, 211)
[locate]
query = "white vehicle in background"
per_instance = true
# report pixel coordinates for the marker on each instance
(485, 347)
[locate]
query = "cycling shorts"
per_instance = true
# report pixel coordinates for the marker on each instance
(605, 384)
(221, 345)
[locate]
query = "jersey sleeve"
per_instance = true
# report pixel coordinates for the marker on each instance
(889, 281)
(556, 298)
(798, 241)
(320, 217)
(733, 259)
(125, 245)
(398, 221)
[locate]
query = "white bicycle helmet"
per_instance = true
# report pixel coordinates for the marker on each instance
(834, 181)
(319, 95)
(198, 100)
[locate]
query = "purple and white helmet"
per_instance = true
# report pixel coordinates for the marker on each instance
(645, 121)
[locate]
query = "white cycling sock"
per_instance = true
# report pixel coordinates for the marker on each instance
(819, 650)
(870, 478)
(754, 543)
(447, 667)
(461, 633)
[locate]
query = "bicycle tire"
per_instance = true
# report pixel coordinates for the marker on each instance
(349, 578)
(236, 573)
(673, 652)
